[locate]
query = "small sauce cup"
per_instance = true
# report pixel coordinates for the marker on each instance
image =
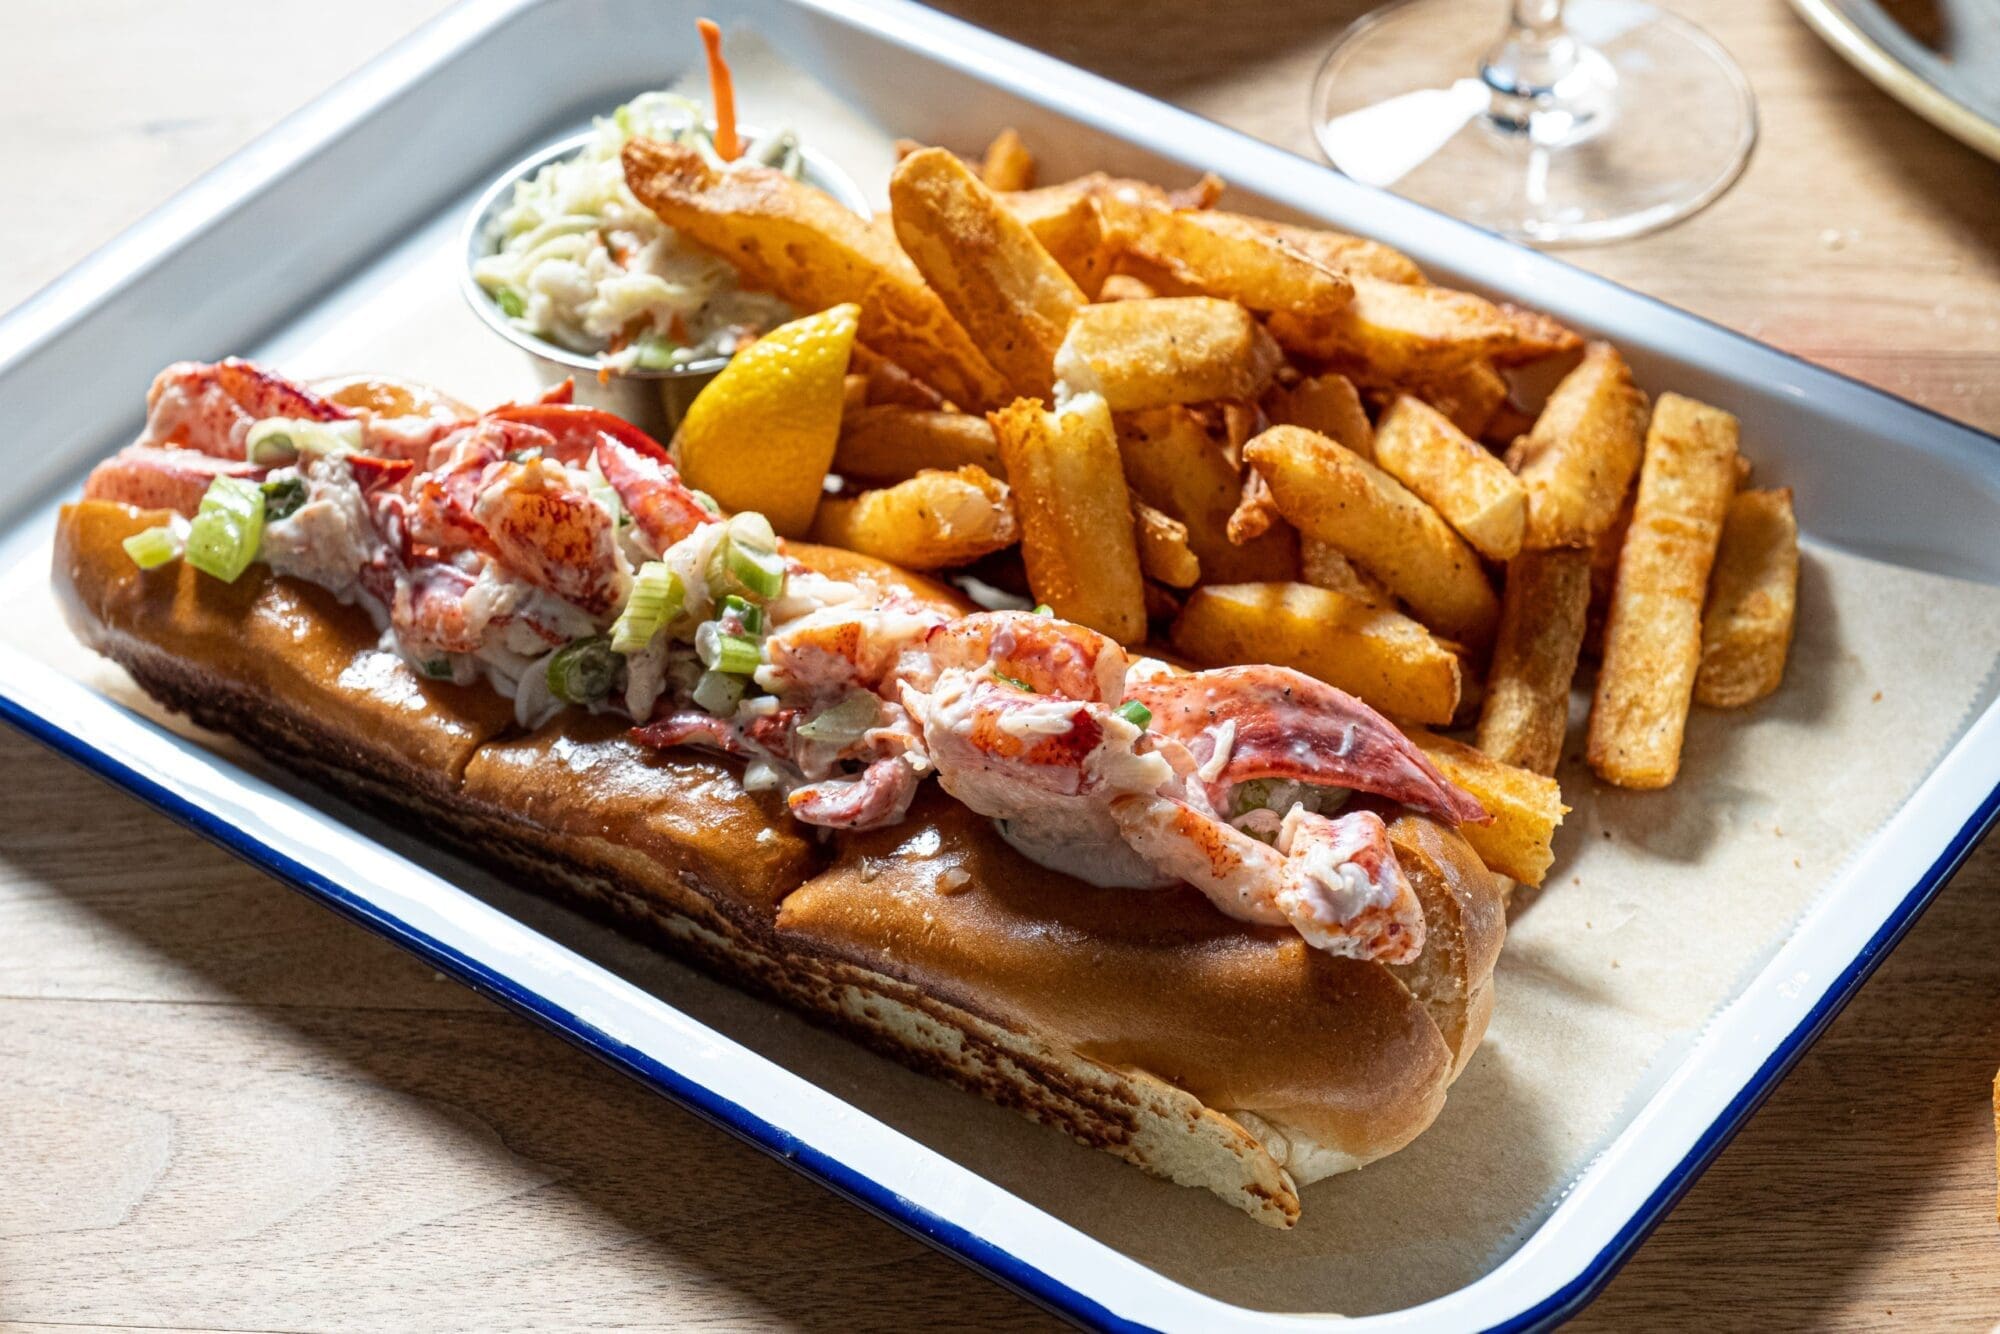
(652, 400)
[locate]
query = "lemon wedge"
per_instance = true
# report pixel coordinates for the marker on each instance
(760, 436)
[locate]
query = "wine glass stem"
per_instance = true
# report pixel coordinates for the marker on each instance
(1545, 83)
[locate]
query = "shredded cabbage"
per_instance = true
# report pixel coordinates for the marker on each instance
(579, 261)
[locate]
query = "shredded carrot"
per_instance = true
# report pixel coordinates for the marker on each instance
(723, 90)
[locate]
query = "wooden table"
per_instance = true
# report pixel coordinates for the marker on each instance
(221, 1107)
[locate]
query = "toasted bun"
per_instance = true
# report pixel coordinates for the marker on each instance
(1203, 1049)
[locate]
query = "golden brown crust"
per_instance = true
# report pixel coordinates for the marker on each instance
(1147, 1024)
(1240, 1016)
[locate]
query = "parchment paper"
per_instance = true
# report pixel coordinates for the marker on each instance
(1659, 907)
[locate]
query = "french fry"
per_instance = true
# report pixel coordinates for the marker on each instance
(1008, 165)
(1470, 396)
(1377, 654)
(1223, 255)
(1071, 227)
(1076, 515)
(1395, 332)
(1578, 461)
(853, 394)
(892, 443)
(1526, 711)
(1323, 566)
(986, 266)
(1164, 553)
(1526, 807)
(1145, 354)
(1356, 256)
(1753, 595)
(1418, 446)
(1328, 404)
(802, 244)
(889, 383)
(1125, 287)
(1652, 641)
(1330, 493)
(1174, 458)
(1535, 336)
(933, 521)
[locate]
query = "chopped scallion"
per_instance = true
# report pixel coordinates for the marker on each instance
(719, 693)
(657, 596)
(583, 670)
(706, 501)
(746, 560)
(736, 654)
(227, 529)
(1014, 681)
(1044, 609)
(512, 304)
(748, 614)
(153, 547)
(1135, 713)
(283, 496)
(276, 440)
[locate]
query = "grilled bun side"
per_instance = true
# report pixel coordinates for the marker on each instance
(1242, 1017)
(230, 654)
(1126, 1020)
(1465, 920)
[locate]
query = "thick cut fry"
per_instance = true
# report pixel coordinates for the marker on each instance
(890, 383)
(804, 245)
(1470, 396)
(1379, 655)
(1535, 336)
(1071, 227)
(1076, 515)
(889, 444)
(987, 267)
(1356, 256)
(1164, 553)
(1145, 354)
(1394, 332)
(1008, 165)
(1526, 807)
(1323, 566)
(930, 522)
(1328, 404)
(1753, 595)
(1418, 446)
(1526, 711)
(1125, 287)
(853, 394)
(1579, 459)
(1333, 494)
(1222, 255)
(1652, 641)
(1175, 460)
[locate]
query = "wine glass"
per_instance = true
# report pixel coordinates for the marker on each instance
(1585, 121)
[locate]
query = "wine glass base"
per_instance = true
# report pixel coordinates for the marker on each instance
(1663, 125)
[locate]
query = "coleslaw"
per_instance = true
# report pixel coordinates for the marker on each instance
(580, 262)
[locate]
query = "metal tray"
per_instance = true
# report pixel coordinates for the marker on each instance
(326, 224)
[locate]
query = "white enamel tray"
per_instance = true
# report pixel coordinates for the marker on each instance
(296, 233)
